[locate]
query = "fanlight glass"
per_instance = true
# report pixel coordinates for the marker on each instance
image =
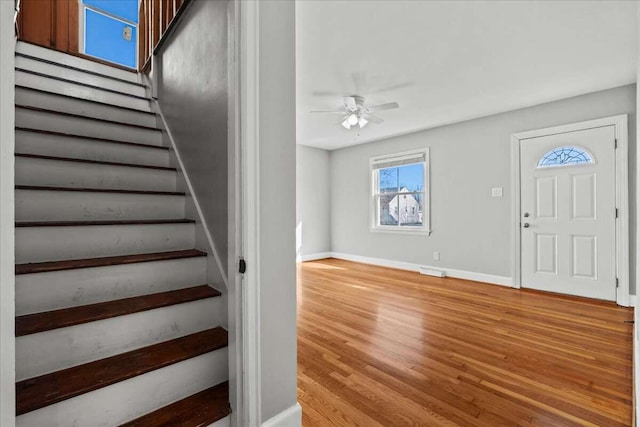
(565, 156)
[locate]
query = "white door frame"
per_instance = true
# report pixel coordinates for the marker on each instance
(249, 140)
(7, 208)
(622, 197)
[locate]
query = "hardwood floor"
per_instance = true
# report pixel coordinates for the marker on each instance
(384, 347)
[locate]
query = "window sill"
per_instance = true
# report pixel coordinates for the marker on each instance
(420, 232)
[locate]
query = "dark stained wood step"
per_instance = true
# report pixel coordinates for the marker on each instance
(94, 223)
(198, 410)
(45, 390)
(48, 76)
(43, 267)
(49, 320)
(80, 116)
(95, 162)
(99, 190)
(92, 138)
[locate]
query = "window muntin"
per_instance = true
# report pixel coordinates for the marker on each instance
(565, 156)
(399, 192)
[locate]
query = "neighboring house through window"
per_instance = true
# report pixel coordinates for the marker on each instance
(400, 193)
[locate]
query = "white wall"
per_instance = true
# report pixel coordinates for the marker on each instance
(192, 83)
(471, 230)
(313, 201)
(277, 211)
(7, 266)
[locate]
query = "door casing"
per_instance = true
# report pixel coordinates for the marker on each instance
(620, 124)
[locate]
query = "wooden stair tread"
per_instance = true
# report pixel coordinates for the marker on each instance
(42, 267)
(94, 223)
(62, 318)
(200, 409)
(80, 116)
(45, 390)
(93, 138)
(99, 190)
(94, 162)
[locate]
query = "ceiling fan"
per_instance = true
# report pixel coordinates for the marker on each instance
(356, 113)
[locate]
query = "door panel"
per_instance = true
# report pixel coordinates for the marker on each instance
(547, 253)
(568, 213)
(584, 257)
(546, 197)
(583, 195)
(49, 23)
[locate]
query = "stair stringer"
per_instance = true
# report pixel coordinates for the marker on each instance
(204, 240)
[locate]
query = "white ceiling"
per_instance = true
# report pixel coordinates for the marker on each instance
(445, 62)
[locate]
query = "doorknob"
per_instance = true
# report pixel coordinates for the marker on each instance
(526, 225)
(526, 214)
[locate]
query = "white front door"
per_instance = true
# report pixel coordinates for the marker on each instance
(568, 213)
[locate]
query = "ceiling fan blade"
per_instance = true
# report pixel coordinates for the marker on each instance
(390, 88)
(373, 119)
(382, 107)
(329, 111)
(350, 102)
(344, 122)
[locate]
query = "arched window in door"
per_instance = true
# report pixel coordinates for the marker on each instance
(565, 156)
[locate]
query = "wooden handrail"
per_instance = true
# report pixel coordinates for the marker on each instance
(156, 19)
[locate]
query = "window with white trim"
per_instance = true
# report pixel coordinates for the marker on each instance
(399, 192)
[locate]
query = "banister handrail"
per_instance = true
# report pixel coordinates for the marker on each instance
(17, 10)
(156, 20)
(15, 18)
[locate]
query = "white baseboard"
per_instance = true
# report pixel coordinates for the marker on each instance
(313, 257)
(632, 300)
(290, 417)
(450, 272)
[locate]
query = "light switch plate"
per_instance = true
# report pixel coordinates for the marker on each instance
(496, 192)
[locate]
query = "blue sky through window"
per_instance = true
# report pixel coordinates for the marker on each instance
(410, 176)
(104, 35)
(127, 9)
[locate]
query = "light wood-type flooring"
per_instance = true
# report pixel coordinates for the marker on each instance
(385, 347)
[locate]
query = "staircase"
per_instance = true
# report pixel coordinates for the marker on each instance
(116, 323)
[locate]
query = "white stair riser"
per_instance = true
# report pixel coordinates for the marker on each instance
(74, 61)
(80, 91)
(39, 244)
(75, 345)
(225, 422)
(51, 101)
(86, 127)
(58, 173)
(86, 149)
(132, 398)
(40, 292)
(95, 206)
(79, 76)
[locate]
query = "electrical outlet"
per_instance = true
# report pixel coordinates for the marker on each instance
(436, 256)
(496, 192)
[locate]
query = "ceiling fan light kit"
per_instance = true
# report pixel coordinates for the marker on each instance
(355, 113)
